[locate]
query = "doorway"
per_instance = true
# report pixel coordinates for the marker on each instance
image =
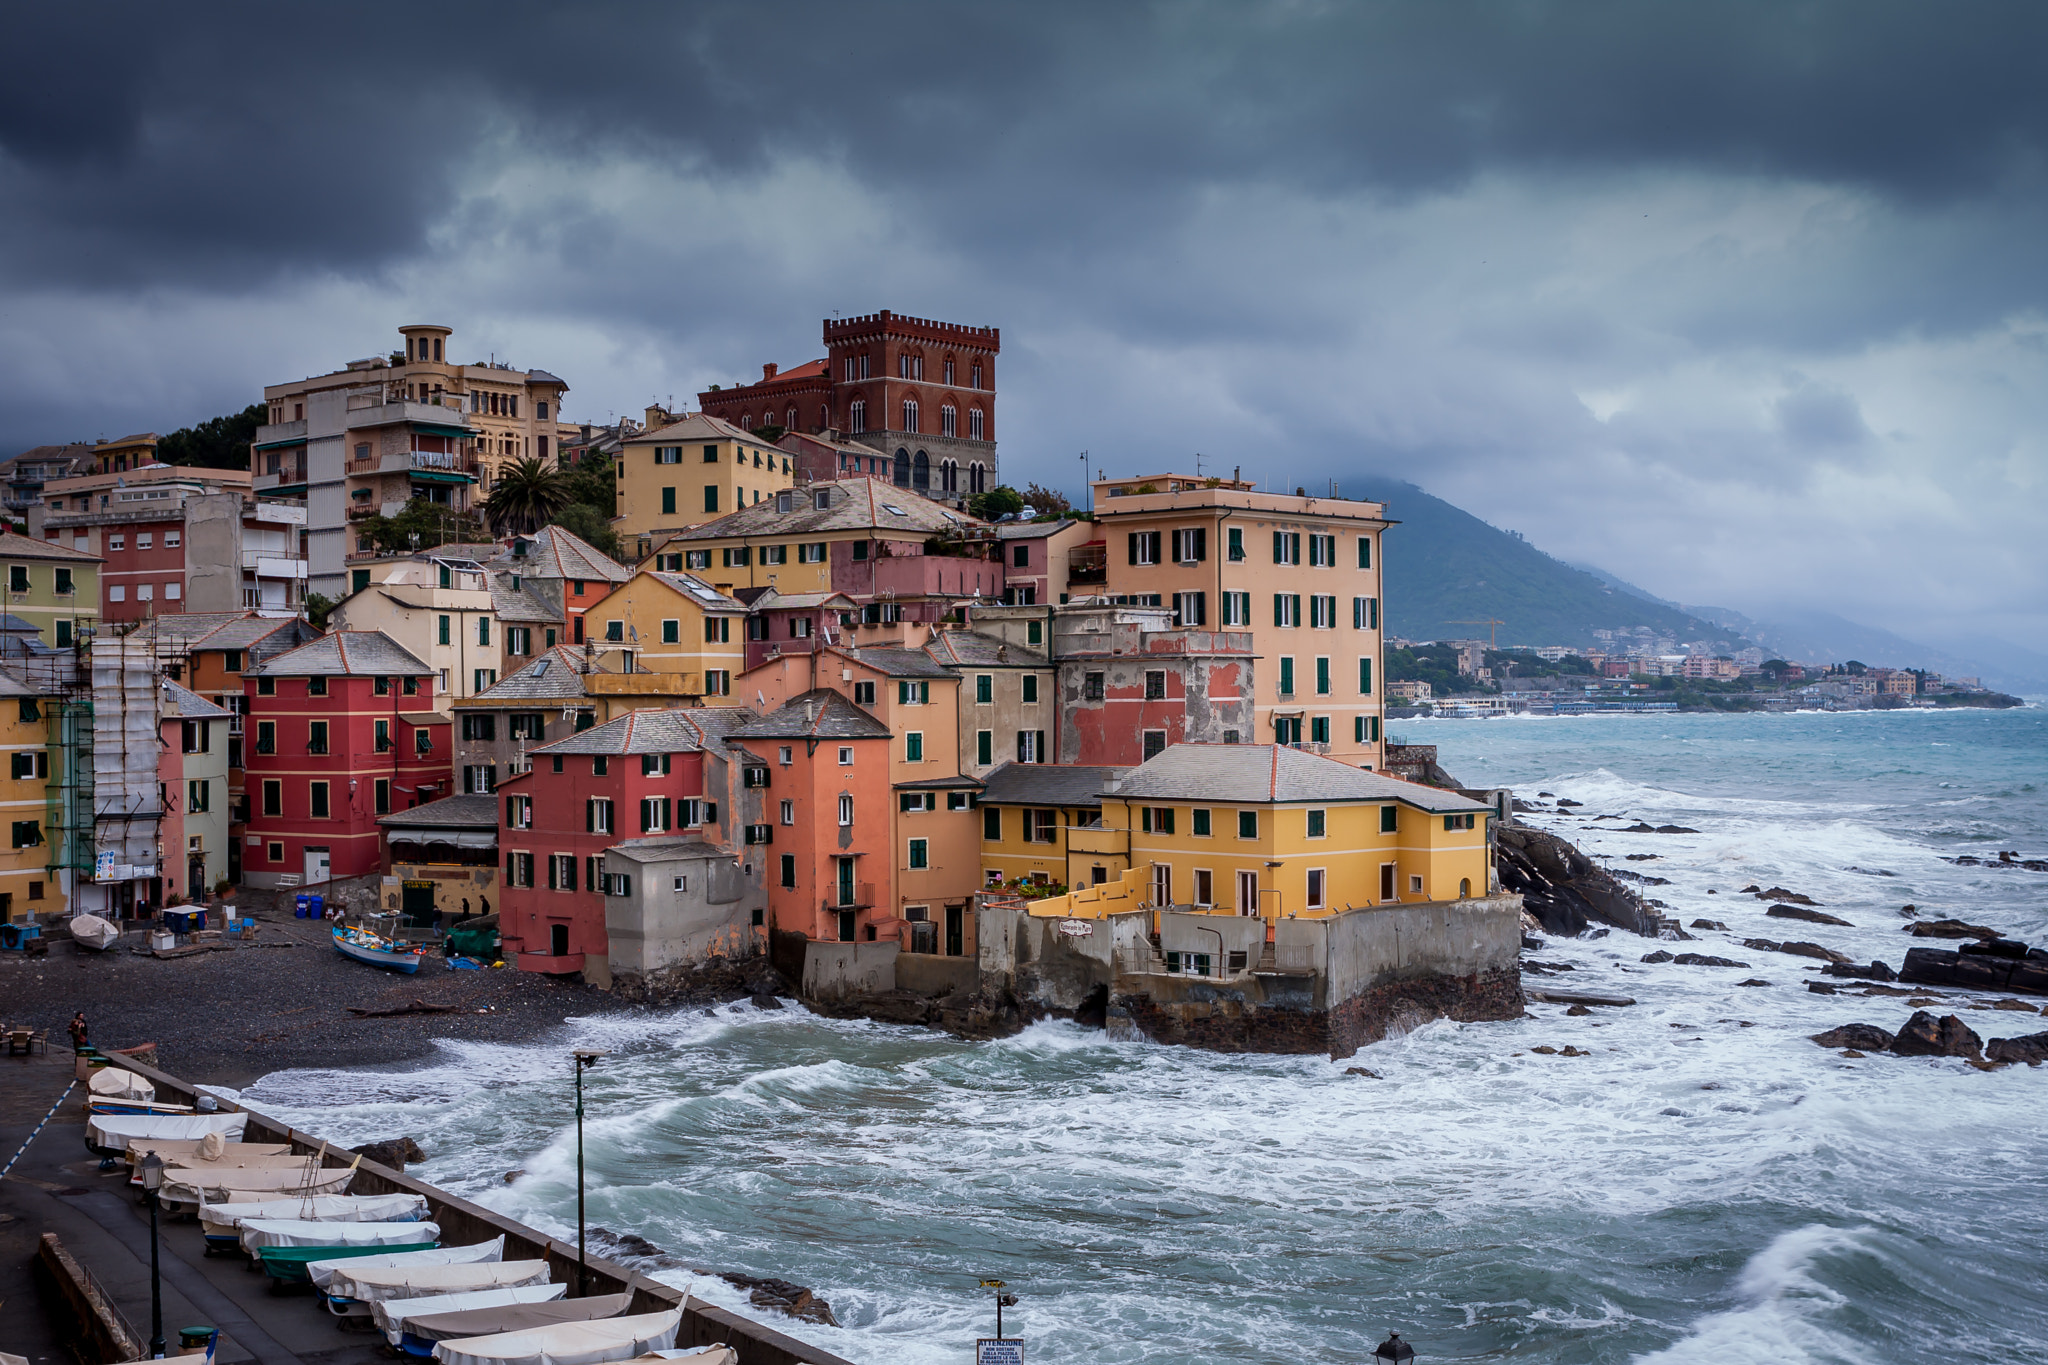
(846, 884)
(956, 916)
(1387, 871)
(1247, 893)
(1162, 883)
(416, 900)
(558, 940)
(316, 865)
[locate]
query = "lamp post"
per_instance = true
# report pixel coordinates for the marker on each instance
(1003, 1301)
(583, 1059)
(152, 1181)
(1393, 1349)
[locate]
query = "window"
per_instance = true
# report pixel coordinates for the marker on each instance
(382, 795)
(479, 726)
(1191, 608)
(1020, 555)
(441, 634)
(199, 796)
(266, 736)
(1154, 745)
(316, 804)
(599, 766)
(423, 740)
(697, 559)
(1415, 885)
(1287, 547)
(1031, 746)
(1144, 547)
(527, 725)
(145, 540)
(718, 682)
(789, 869)
(775, 554)
(655, 814)
(1041, 826)
(1247, 824)
(1322, 612)
(860, 549)
(976, 426)
(1236, 550)
(518, 812)
(63, 634)
(913, 747)
(984, 747)
(1322, 552)
(919, 858)
(737, 557)
(1156, 819)
(383, 733)
(1030, 681)
(1365, 613)
(846, 755)
(27, 833)
(410, 689)
(668, 454)
(1390, 819)
(1237, 609)
(949, 420)
(1317, 824)
(811, 552)
(992, 824)
(717, 630)
(1322, 676)
(276, 851)
(1315, 888)
(1285, 687)
(116, 592)
(145, 592)
(1365, 552)
(845, 810)
(913, 693)
(316, 737)
(1286, 608)
(519, 869)
(1034, 632)
(1466, 821)
(668, 497)
(30, 763)
(479, 779)
(1319, 729)
(64, 585)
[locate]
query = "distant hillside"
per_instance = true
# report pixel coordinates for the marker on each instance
(1444, 566)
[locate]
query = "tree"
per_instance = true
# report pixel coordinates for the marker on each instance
(528, 495)
(216, 443)
(1046, 500)
(594, 482)
(586, 523)
(997, 502)
(317, 608)
(422, 525)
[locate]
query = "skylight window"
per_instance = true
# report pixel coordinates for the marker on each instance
(894, 510)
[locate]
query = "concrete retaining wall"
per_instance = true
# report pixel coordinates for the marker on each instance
(836, 972)
(929, 974)
(463, 1223)
(97, 1331)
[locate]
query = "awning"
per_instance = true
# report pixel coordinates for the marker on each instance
(441, 476)
(276, 445)
(454, 838)
(434, 429)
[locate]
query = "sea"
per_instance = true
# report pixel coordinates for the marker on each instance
(1705, 1185)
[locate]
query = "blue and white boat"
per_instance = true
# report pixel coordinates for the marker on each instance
(364, 946)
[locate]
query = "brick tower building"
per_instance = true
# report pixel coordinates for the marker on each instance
(919, 392)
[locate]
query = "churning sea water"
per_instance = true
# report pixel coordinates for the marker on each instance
(1707, 1185)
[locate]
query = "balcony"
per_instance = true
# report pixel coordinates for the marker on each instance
(863, 897)
(414, 462)
(1097, 839)
(267, 565)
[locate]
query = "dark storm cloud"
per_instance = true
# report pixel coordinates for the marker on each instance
(227, 144)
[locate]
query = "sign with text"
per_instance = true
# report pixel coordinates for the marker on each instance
(1076, 928)
(999, 1351)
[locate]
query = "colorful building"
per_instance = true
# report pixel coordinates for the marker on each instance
(51, 587)
(1041, 825)
(469, 623)
(193, 771)
(684, 470)
(342, 730)
(30, 883)
(569, 574)
(673, 623)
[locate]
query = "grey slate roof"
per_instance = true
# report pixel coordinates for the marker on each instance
(11, 686)
(898, 662)
(259, 635)
(1046, 784)
(1032, 530)
(521, 606)
(972, 649)
(465, 811)
(190, 705)
(767, 599)
(699, 591)
(818, 714)
(359, 653)
(16, 546)
(936, 784)
(556, 675)
(556, 553)
(675, 731)
(185, 627)
(856, 504)
(666, 849)
(1253, 774)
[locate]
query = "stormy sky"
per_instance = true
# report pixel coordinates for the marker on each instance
(1744, 303)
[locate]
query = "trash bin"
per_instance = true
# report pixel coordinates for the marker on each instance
(300, 904)
(193, 1341)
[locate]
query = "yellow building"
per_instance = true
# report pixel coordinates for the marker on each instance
(54, 589)
(684, 470)
(674, 623)
(1273, 831)
(28, 885)
(1301, 573)
(1042, 824)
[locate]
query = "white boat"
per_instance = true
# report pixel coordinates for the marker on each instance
(364, 946)
(298, 1232)
(375, 1284)
(194, 1152)
(322, 1273)
(222, 1222)
(391, 1314)
(569, 1343)
(90, 931)
(111, 1134)
(185, 1189)
(419, 1327)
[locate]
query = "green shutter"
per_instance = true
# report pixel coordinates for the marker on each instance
(1322, 677)
(668, 502)
(1365, 677)
(1286, 675)
(1365, 552)
(984, 747)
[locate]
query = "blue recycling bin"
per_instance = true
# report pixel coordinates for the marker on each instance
(309, 905)
(184, 921)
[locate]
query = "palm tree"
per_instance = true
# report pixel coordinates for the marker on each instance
(528, 495)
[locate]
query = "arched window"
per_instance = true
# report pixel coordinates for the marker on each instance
(824, 417)
(949, 423)
(977, 374)
(977, 478)
(974, 425)
(857, 415)
(910, 414)
(747, 422)
(949, 476)
(903, 365)
(791, 415)
(903, 469)
(920, 472)
(949, 369)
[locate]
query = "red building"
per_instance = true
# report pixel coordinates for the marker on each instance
(646, 773)
(923, 393)
(831, 875)
(338, 732)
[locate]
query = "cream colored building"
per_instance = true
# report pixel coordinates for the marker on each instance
(466, 622)
(683, 470)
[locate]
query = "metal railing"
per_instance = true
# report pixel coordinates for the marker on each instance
(863, 897)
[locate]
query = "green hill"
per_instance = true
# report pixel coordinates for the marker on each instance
(1445, 566)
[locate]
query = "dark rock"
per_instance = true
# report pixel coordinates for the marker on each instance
(2008, 948)
(1876, 971)
(1779, 893)
(2031, 1049)
(2020, 1005)
(1643, 857)
(1532, 943)
(1564, 889)
(1821, 988)
(1361, 1071)
(1810, 916)
(1708, 924)
(1796, 949)
(1564, 801)
(1702, 960)
(1869, 1037)
(1546, 1051)
(1949, 928)
(1659, 956)
(392, 1152)
(1926, 1036)
(1753, 981)
(1752, 890)
(1549, 794)
(1853, 1053)
(1974, 971)
(1909, 911)
(764, 1002)
(792, 1299)
(1642, 878)
(511, 1176)
(1572, 1052)
(1676, 829)
(1578, 1009)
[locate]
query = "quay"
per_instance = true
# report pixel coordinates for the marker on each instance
(77, 1242)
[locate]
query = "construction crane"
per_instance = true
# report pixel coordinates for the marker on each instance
(1489, 622)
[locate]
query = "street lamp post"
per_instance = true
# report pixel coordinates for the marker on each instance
(583, 1060)
(152, 1181)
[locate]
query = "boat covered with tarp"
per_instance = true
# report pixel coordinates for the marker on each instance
(376, 1284)
(222, 1223)
(110, 1135)
(322, 1273)
(306, 1232)
(414, 1326)
(391, 1315)
(212, 1152)
(567, 1343)
(185, 1188)
(95, 933)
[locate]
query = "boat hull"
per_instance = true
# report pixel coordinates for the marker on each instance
(408, 963)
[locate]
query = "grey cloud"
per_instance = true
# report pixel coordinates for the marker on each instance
(1820, 416)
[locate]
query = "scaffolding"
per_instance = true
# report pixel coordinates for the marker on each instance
(122, 757)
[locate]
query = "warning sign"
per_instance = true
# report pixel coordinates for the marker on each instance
(999, 1351)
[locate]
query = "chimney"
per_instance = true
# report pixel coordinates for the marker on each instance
(656, 418)
(767, 372)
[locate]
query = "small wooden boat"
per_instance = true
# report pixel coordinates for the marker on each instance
(92, 932)
(364, 946)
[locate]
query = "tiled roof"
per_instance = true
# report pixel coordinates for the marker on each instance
(1046, 784)
(971, 648)
(556, 553)
(16, 546)
(185, 627)
(263, 636)
(698, 426)
(699, 591)
(898, 662)
(521, 605)
(186, 704)
(771, 600)
(855, 504)
(1252, 774)
(360, 653)
(936, 784)
(675, 731)
(1032, 530)
(464, 810)
(554, 676)
(666, 849)
(818, 714)
(11, 686)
